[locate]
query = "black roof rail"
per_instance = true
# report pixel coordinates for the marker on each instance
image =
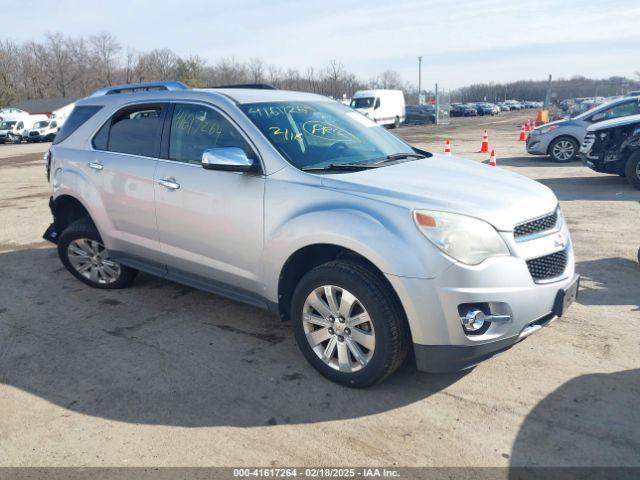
(256, 86)
(140, 87)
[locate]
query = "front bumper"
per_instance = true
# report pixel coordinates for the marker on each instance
(504, 284)
(537, 144)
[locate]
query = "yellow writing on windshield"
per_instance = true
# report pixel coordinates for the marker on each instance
(277, 110)
(327, 131)
(285, 134)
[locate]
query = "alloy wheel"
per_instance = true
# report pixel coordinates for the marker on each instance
(338, 328)
(563, 150)
(91, 260)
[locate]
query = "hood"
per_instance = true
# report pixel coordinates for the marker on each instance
(452, 184)
(565, 122)
(365, 111)
(614, 122)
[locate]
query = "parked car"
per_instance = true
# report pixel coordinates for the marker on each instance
(613, 146)
(633, 93)
(420, 114)
(483, 108)
(43, 131)
(504, 107)
(384, 107)
(514, 104)
(292, 202)
(456, 110)
(561, 139)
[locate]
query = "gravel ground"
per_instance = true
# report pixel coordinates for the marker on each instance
(164, 375)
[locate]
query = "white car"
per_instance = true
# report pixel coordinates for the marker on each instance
(43, 131)
(385, 107)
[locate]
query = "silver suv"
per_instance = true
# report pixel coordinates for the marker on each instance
(295, 203)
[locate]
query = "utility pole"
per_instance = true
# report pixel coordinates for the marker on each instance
(419, 79)
(547, 97)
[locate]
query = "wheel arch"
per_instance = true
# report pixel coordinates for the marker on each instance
(308, 257)
(67, 209)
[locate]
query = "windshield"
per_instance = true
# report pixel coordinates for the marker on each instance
(318, 134)
(40, 124)
(364, 102)
(6, 125)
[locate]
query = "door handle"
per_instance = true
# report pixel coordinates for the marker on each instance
(95, 165)
(169, 183)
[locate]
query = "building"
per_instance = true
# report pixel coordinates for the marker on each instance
(45, 106)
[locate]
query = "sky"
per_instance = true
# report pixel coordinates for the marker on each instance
(461, 42)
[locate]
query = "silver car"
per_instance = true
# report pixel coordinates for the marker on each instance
(295, 203)
(561, 139)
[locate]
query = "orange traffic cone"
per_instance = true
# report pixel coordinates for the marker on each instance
(527, 126)
(523, 137)
(485, 143)
(447, 147)
(492, 158)
(534, 124)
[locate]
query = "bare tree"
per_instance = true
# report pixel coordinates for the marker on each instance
(191, 71)
(104, 50)
(9, 62)
(256, 70)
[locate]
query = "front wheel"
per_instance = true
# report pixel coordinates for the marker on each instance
(632, 170)
(348, 323)
(563, 149)
(82, 252)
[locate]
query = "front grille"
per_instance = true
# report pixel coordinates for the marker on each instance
(34, 134)
(536, 226)
(549, 266)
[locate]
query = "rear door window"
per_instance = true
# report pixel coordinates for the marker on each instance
(134, 130)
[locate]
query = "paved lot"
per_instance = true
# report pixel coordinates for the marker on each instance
(161, 374)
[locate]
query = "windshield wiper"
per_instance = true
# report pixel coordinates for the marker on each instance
(400, 156)
(341, 167)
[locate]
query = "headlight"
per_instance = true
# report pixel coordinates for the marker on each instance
(544, 130)
(463, 238)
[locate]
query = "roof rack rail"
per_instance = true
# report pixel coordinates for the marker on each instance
(256, 86)
(140, 87)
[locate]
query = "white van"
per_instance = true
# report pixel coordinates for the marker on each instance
(43, 131)
(16, 129)
(385, 107)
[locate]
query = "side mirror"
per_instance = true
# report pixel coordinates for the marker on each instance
(228, 159)
(377, 104)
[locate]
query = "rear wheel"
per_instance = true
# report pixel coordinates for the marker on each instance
(348, 324)
(82, 252)
(632, 170)
(563, 149)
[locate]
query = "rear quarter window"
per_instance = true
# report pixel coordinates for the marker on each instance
(77, 118)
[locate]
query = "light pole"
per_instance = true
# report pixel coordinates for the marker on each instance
(419, 78)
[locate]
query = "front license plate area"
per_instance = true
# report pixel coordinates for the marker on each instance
(566, 297)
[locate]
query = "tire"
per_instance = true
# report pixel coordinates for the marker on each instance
(632, 169)
(385, 334)
(78, 246)
(563, 149)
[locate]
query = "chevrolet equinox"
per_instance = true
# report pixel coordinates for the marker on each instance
(295, 203)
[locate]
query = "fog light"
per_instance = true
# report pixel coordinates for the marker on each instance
(473, 320)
